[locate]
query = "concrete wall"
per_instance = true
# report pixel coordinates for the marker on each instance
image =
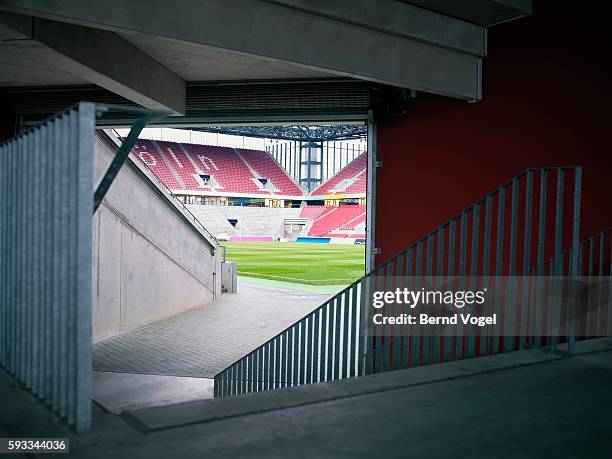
(150, 260)
(546, 101)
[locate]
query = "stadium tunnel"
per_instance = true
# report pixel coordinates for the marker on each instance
(442, 132)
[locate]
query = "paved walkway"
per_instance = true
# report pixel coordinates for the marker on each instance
(203, 341)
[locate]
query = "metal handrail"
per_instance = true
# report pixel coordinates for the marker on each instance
(327, 344)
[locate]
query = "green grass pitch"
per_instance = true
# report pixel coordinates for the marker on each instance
(304, 263)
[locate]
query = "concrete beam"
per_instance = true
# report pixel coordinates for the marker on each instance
(105, 59)
(339, 45)
(401, 19)
(484, 12)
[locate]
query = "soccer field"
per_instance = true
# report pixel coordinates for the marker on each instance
(304, 263)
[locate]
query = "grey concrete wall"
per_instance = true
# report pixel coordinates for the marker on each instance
(150, 259)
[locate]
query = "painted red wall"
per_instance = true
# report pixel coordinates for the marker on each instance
(547, 102)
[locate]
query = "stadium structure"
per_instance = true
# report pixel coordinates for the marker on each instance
(247, 195)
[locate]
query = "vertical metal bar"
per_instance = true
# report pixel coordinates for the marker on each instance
(510, 312)
(499, 250)
(558, 250)
(471, 340)
(513, 227)
(475, 246)
(526, 251)
(557, 259)
(252, 374)
(309, 348)
(352, 368)
(325, 354)
(265, 354)
(463, 244)
(337, 335)
(64, 157)
(302, 360)
(277, 361)
(448, 341)
(440, 266)
(346, 358)
(486, 258)
(315, 346)
(429, 258)
(57, 262)
(363, 351)
(542, 224)
(85, 146)
(499, 246)
(73, 235)
(574, 268)
(528, 211)
(296, 354)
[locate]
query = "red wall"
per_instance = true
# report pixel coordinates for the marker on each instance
(547, 101)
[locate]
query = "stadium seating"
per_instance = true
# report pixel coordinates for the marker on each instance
(312, 212)
(148, 154)
(351, 179)
(251, 221)
(267, 167)
(335, 219)
(225, 166)
(179, 166)
(355, 222)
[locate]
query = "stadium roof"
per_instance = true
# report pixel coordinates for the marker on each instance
(298, 133)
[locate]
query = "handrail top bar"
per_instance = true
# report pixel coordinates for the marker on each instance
(127, 109)
(596, 235)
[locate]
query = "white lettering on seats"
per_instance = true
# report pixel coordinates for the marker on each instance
(205, 160)
(176, 160)
(147, 158)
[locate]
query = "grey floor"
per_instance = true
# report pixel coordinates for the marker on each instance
(118, 392)
(551, 408)
(203, 341)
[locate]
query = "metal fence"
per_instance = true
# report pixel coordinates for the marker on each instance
(504, 234)
(507, 233)
(45, 264)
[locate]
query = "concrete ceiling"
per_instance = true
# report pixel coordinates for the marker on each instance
(147, 51)
(27, 63)
(204, 63)
(30, 63)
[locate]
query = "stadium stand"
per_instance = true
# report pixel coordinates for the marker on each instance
(180, 163)
(148, 154)
(351, 179)
(355, 222)
(214, 219)
(335, 219)
(181, 167)
(186, 167)
(251, 221)
(267, 167)
(312, 212)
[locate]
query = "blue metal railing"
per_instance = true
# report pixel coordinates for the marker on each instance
(503, 234)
